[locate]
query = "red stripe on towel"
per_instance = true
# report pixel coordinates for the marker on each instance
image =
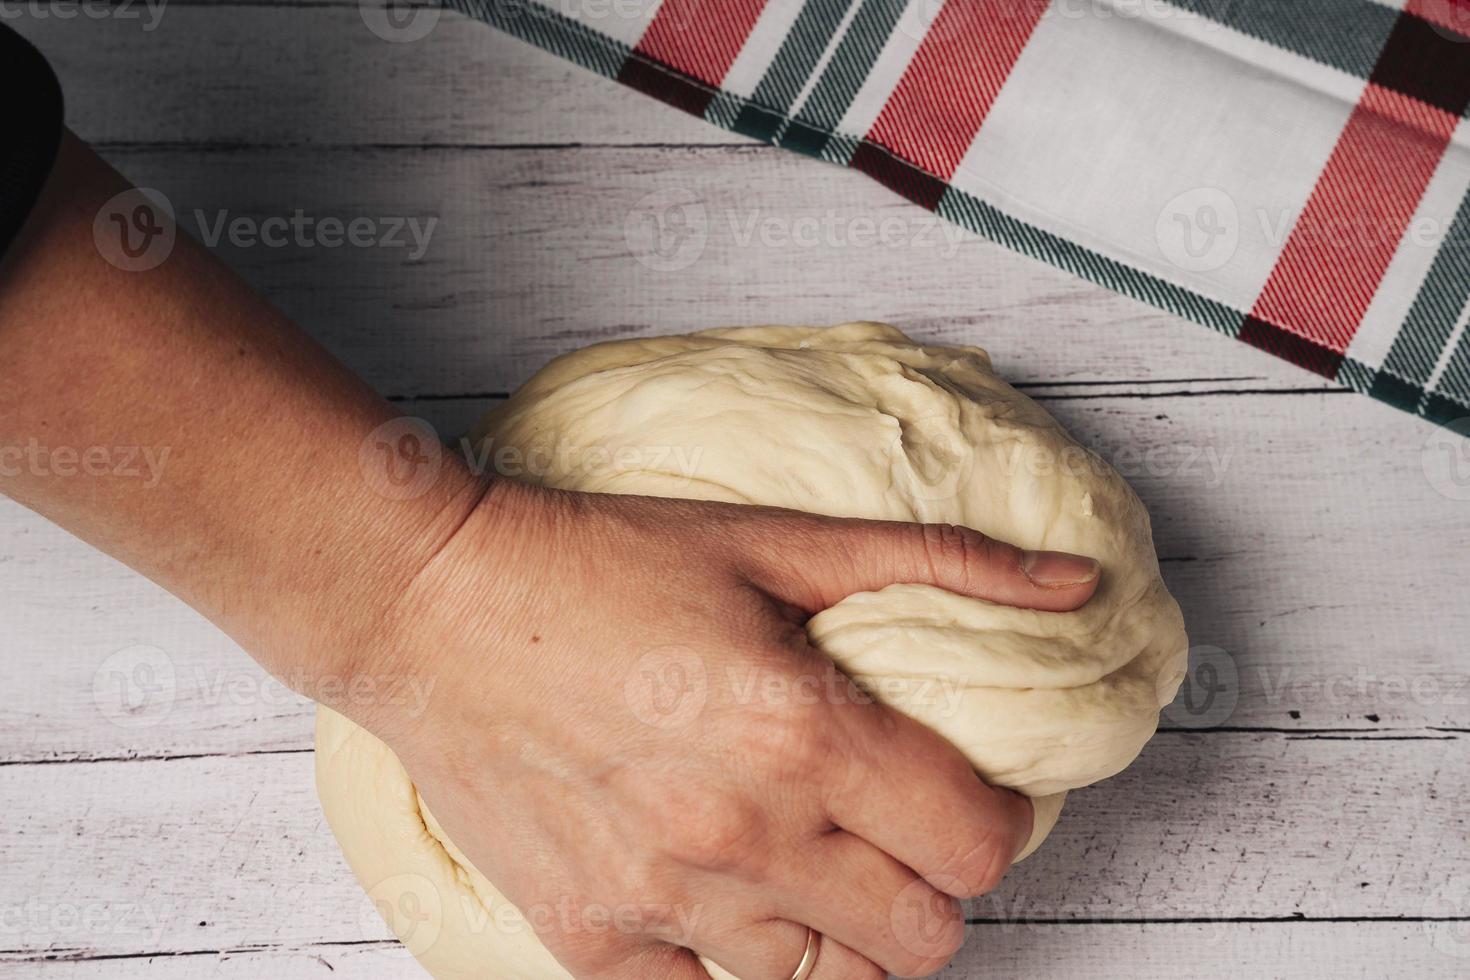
(1359, 211)
(966, 56)
(700, 38)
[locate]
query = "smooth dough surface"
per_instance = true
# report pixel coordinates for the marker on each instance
(851, 421)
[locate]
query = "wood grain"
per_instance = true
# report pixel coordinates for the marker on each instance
(1199, 828)
(533, 253)
(1153, 951)
(288, 74)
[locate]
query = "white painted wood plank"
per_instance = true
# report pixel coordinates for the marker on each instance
(1329, 580)
(262, 74)
(1261, 951)
(100, 662)
(117, 858)
(350, 962)
(533, 253)
(221, 853)
(1343, 951)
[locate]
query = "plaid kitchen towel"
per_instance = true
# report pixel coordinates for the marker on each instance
(1293, 173)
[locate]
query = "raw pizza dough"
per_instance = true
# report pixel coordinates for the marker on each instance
(852, 421)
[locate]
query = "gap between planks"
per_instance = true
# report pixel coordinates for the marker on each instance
(1028, 386)
(1431, 734)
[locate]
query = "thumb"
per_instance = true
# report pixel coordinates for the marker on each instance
(824, 563)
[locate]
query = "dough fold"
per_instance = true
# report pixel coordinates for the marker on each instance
(850, 421)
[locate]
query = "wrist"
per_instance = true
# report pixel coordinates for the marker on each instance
(347, 641)
(458, 615)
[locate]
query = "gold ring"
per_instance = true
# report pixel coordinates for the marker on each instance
(809, 958)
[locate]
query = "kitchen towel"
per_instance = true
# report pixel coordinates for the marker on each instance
(1292, 173)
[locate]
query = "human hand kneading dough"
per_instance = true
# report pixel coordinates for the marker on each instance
(534, 613)
(550, 614)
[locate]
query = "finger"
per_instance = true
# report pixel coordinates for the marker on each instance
(772, 950)
(655, 960)
(816, 562)
(906, 790)
(853, 892)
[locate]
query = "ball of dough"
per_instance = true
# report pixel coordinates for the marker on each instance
(851, 421)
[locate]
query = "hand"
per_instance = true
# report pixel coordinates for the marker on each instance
(539, 616)
(627, 715)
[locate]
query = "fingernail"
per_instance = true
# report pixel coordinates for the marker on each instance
(1057, 569)
(1024, 802)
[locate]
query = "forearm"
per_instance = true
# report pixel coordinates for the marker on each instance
(246, 495)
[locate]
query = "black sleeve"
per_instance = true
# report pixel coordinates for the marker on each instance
(31, 120)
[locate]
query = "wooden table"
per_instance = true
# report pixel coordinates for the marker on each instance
(1310, 821)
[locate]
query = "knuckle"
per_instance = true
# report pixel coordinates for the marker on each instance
(950, 547)
(714, 831)
(791, 554)
(979, 866)
(634, 879)
(928, 928)
(789, 742)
